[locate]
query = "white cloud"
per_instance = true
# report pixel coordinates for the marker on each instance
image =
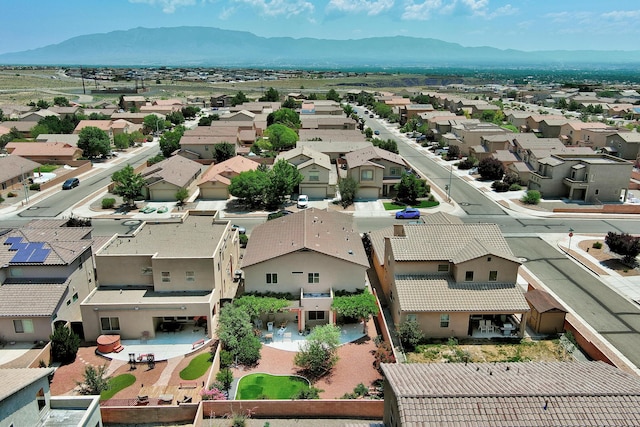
(279, 7)
(357, 6)
(621, 15)
(427, 8)
(168, 6)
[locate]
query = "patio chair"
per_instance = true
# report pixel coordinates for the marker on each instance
(483, 326)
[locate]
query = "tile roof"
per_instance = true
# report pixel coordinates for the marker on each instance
(314, 156)
(335, 136)
(514, 394)
(225, 170)
(26, 149)
(176, 170)
(105, 125)
(14, 380)
(326, 232)
(441, 294)
(65, 243)
(31, 299)
(371, 154)
(13, 166)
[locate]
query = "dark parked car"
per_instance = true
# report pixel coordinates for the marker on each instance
(408, 213)
(274, 215)
(70, 183)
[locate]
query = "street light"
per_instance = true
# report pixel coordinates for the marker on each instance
(24, 186)
(449, 186)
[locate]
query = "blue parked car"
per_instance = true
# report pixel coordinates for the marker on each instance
(408, 213)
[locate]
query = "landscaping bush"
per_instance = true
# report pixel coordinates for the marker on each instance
(490, 168)
(467, 163)
(597, 245)
(308, 393)
(11, 194)
(383, 354)
(500, 186)
(226, 359)
(410, 334)
(532, 197)
(225, 378)
(34, 187)
(95, 380)
(511, 178)
(243, 240)
(64, 345)
(108, 203)
(1, 198)
(515, 187)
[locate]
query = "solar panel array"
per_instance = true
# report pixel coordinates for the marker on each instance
(27, 252)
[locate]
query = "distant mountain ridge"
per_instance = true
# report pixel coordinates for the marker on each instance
(204, 46)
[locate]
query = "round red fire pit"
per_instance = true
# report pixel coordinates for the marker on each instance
(107, 343)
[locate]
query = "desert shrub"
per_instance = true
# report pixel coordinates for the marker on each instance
(383, 354)
(34, 187)
(500, 186)
(532, 197)
(467, 163)
(11, 194)
(410, 334)
(597, 245)
(511, 178)
(308, 393)
(515, 187)
(244, 239)
(108, 203)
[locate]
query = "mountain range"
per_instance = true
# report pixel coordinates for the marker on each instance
(204, 46)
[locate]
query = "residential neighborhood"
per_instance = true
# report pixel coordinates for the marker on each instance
(210, 240)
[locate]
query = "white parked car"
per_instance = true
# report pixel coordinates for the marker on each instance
(303, 201)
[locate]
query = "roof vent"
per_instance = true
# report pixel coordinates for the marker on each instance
(350, 252)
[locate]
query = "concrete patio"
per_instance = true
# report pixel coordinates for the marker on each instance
(289, 339)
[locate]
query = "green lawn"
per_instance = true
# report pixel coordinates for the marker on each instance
(390, 206)
(197, 367)
(254, 386)
(46, 168)
(116, 384)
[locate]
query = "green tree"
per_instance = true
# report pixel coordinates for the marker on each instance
(38, 130)
(122, 141)
(283, 179)
(410, 334)
(205, 121)
(411, 188)
(239, 98)
(223, 151)
(249, 187)
(281, 137)
(318, 354)
(128, 184)
(491, 168)
(95, 380)
(189, 112)
(624, 244)
(348, 110)
(181, 195)
(333, 95)
(257, 306)
(360, 306)
(94, 142)
(61, 101)
(225, 378)
(64, 345)
(284, 116)
(98, 116)
(348, 188)
(271, 95)
(170, 141)
(289, 103)
(175, 117)
(368, 133)
(453, 152)
(389, 145)
(236, 334)
(153, 123)
(59, 126)
(42, 104)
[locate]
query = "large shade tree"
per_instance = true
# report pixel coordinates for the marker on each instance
(128, 184)
(281, 137)
(94, 142)
(360, 306)
(283, 179)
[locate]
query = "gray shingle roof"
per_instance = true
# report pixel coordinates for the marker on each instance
(14, 380)
(514, 394)
(440, 293)
(176, 170)
(326, 232)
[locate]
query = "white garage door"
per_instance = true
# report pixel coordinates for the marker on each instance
(367, 194)
(314, 192)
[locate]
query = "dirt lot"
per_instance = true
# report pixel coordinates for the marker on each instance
(606, 258)
(527, 350)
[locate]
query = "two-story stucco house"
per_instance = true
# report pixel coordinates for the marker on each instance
(454, 279)
(310, 254)
(376, 171)
(166, 272)
(319, 175)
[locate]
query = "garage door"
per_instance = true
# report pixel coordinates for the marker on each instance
(218, 193)
(314, 192)
(162, 195)
(367, 194)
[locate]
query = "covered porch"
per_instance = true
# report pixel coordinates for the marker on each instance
(497, 325)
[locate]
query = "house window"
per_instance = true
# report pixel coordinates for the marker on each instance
(272, 278)
(412, 317)
(147, 271)
(23, 326)
(488, 259)
(314, 176)
(16, 272)
(314, 278)
(75, 297)
(110, 323)
(444, 320)
(443, 267)
(493, 275)
(191, 276)
(366, 175)
(468, 276)
(166, 276)
(597, 191)
(41, 399)
(316, 315)
(68, 302)
(395, 171)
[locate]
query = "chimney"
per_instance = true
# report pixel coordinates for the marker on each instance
(398, 230)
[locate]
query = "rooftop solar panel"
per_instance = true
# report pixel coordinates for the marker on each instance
(12, 240)
(18, 246)
(39, 255)
(22, 256)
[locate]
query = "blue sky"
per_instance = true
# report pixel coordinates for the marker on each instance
(506, 24)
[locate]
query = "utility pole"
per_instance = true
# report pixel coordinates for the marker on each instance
(449, 186)
(24, 186)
